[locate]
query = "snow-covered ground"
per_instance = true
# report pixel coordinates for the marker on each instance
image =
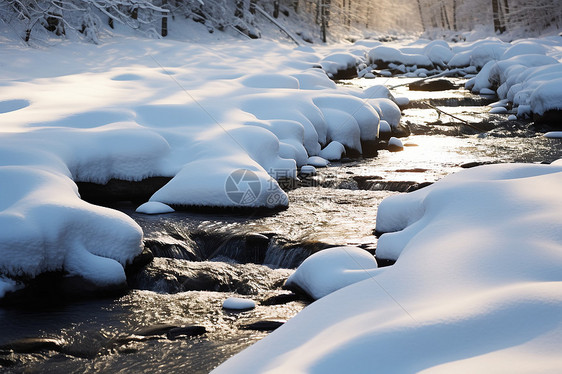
(477, 286)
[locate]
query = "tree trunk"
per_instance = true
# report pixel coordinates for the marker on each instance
(275, 8)
(239, 12)
(445, 16)
(164, 19)
(498, 27)
(421, 15)
(253, 6)
(324, 13)
(455, 26)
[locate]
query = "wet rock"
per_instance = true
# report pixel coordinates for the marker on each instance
(349, 73)
(185, 331)
(173, 275)
(264, 325)
(385, 262)
(8, 361)
(121, 190)
(376, 184)
(414, 170)
(140, 261)
(281, 299)
(473, 164)
(418, 186)
(33, 345)
(56, 287)
(401, 131)
(158, 329)
(365, 182)
(432, 85)
(369, 148)
(550, 118)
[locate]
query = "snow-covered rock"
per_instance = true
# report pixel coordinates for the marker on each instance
(333, 151)
(331, 269)
(317, 161)
(395, 144)
(154, 207)
(392, 55)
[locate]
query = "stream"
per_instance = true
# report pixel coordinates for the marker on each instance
(172, 318)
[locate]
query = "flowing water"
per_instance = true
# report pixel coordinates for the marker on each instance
(203, 258)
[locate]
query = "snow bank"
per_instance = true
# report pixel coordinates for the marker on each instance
(477, 286)
(45, 226)
(331, 269)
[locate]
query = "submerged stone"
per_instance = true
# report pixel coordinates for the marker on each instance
(264, 325)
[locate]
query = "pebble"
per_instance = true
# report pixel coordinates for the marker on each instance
(237, 303)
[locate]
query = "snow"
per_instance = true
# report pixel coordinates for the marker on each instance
(221, 122)
(498, 110)
(338, 61)
(476, 288)
(390, 54)
(395, 143)
(317, 161)
(527, 74)
(385, 127)
(7, 285)
(487, 92)
(554, 134)
(547, 96)
(333, 151)
(308, 170)
(154, 207)
(237, 303)
(331, 269)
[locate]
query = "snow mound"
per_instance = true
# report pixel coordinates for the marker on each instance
(154, 207)
(477, 285)
(335, 62)
(317, 161)
(395, 144)
(45, 226)
(331, 269)
(333, 151)
(393, 55)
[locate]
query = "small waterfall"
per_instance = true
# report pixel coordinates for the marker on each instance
(283, 256)
(169, 247)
